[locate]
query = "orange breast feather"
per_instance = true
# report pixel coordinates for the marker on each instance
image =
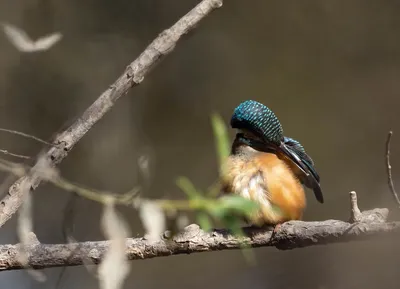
(267, 180)
(284, 189)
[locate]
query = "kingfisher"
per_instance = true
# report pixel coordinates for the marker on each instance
(267, 167)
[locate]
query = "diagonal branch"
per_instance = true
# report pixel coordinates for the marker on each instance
(291, 235)
(133, 75)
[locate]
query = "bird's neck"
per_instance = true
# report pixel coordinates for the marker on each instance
(242, 150)
(246, 148)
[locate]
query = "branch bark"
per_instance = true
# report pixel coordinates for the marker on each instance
(291, 235)
(389, 170)
(132, 76)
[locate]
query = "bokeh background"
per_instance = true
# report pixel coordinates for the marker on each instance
(329, 69)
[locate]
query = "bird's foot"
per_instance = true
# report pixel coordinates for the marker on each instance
(276, 228)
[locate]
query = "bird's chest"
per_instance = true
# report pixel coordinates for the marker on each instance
(263, 178)
(268, 181)
(244, 177)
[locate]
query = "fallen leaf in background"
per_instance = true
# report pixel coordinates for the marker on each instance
(115, 267)
(153, 220)
(25, 231)
(24, 43)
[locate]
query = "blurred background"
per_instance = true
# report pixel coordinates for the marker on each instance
(328, 69)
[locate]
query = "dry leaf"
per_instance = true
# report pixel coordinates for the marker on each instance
(24, 43)
(115, 267)
(182, 221)
(153, 220)
(24, 226)
(24, 231)
(144, 167)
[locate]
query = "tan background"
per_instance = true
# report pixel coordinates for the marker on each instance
(329, 70)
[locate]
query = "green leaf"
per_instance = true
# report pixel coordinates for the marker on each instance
(187, 187)
(204, 221)
(214, 190)
(232, 223)
(221, 137)
(277, 210)
(238, 204)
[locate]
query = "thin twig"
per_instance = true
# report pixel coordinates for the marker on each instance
(129, 198)
(53, 178)
(133, 75)
(389, 169)
(26, 135)
(6, 152)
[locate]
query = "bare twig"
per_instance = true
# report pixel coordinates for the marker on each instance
(389, 169)
(26, 135)
(355, 213)
(130, 198)
(6, 152)
(294, 234)
(45, 172)
(133, 76)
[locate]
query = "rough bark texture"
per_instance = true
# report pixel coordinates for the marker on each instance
(133, 75)
(290, 235)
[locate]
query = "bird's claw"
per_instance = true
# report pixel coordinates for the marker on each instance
(276, 228)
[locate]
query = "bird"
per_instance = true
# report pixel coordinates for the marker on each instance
(267, 167)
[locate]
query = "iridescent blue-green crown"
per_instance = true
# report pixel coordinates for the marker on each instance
(257, 118)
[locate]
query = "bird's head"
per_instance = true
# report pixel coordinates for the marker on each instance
(257, 124)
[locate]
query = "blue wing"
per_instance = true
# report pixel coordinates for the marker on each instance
(310, 178)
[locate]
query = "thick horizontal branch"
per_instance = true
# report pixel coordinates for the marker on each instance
(133, 75)
(290, 235)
